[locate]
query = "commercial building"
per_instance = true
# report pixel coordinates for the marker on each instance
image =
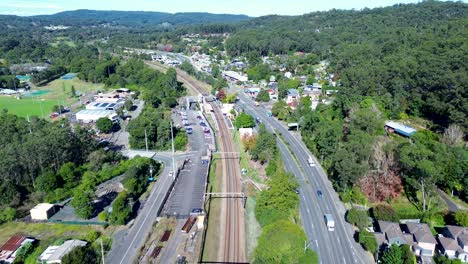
(54, 254)
(234, 76)
(10, 248)
(42, 211)
(88, 115)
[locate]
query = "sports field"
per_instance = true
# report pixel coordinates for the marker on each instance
(42, 99)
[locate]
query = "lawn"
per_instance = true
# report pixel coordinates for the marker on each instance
(27, 106)
(55, 92)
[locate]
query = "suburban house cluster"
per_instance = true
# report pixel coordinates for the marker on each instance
(452, 242)
(52, 255)
(104, 106)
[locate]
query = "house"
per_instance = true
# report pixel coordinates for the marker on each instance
(54, 254)
(392, 233)
(302, 79)
(226, 110)
(449, 247)
(399, 128)
(42, 211)
(425, 242)
(10, 248)
(455, 235)
(293, 96)
(273, 95)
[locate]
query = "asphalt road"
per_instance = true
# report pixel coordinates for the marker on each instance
(332, 247)
(125, 250)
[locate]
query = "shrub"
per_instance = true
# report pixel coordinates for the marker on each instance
(91, 236)
(358, 218)
(368, 241)
(103, 216)
(384, 212)
(461, 217)
(104, 124)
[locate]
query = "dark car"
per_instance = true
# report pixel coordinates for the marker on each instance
(319, 193)
(296, 190)
(202, 124)
(196, 211)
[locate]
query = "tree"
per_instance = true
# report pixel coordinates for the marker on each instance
(281, 242)
(221, 95)
(408, 255)
(104, 124)
(368, 241)
(58, 109)
(120, 210)
(461, 217)
(263, 96)
(82, 202)
(128, 104)
(358, 218)
(384, 212)
(393, 255)
(80, 255)
(73, 91)
(244, 120)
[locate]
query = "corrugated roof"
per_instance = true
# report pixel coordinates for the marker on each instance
(401, 128)
(13, 243)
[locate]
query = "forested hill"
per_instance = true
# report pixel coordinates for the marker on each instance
(411, 57)
(86, 17)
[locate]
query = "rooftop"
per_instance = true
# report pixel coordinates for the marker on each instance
(390, 229)
(13, 243)
(421, 232)
(401, 128)
(43, 206)
(448, 243)
(103, 113)
(57, 252)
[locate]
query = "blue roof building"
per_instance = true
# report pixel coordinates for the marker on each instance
(400, 128)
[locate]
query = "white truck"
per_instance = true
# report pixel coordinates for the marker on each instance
(311, 161)
(330, 222)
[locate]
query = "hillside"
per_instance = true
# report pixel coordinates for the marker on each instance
(86, 17)
(412, 57)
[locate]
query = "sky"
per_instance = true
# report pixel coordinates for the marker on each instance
(248, 7)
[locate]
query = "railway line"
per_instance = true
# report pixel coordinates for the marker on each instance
(232, 240)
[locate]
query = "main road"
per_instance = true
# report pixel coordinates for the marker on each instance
(332, 246)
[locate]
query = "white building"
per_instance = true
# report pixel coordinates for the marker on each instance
(234, 76)
(54, 254)
(42, 211)
(92, 115)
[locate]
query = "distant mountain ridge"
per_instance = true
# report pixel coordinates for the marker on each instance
(86, 17)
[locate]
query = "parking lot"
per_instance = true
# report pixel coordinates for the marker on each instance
(190, 187)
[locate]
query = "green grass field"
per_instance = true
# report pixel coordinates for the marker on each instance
(27, 106)
(59, 92)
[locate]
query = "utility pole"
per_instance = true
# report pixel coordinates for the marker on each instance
(29, 124)
(173, 152)
(146, 141)
(102, 252)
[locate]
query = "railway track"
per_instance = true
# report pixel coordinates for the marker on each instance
(232, 245)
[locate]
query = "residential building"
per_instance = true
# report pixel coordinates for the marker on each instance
(292, 97)
(392, 233)
(425, 242)
(10, 248)
(42, 211)
(455, 241)
(54, 254)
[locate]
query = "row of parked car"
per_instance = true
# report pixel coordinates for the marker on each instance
(202, 123)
